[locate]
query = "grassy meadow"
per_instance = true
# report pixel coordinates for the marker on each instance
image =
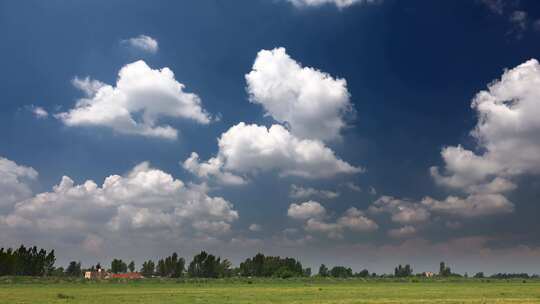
(319, 291)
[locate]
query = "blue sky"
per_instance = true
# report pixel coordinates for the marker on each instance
(350, 102)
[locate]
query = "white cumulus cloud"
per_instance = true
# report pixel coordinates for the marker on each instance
(506, 132)
(14, 182)
(306, 210)
(144, 43)
(310, 102)
(146, 201)
(251, 148)
(141, 97)
(306, 192)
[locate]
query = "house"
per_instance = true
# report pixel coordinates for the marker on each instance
(97, 274)
(429, 274)
(128, 276)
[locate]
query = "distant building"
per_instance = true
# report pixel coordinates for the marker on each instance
(429, 274)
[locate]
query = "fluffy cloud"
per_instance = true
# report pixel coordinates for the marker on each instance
(213, 168)
(356, 220)
(506, 132)
(145, 201)
(314, 213)
(338, 3)
(409, 213)
(14, 181)
(306, 210)
(401, 211)
(140, 98)
(310, 102)
(302, 192)
(402, 232)
(38, 112)
(255, 227)
(474, 205)
(144, 43)
(251, 148)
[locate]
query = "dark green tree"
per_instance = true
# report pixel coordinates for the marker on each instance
(74, 269)
(131, 266)
(148, 268)
(323, 271)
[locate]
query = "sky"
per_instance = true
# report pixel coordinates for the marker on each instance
(347, 132)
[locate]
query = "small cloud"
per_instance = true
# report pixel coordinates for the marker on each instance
(39, 112)
(255, 227)
(301, 192)
(495, 6)
(143, 43)
(352, 186)
(403, 232)
(372, 190)
(519, 20)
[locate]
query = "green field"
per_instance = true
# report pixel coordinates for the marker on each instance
(269, 291)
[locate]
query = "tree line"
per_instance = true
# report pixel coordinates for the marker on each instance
(32, 261)
(29, 261)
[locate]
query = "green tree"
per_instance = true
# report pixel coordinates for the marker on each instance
(341, 272)
(74, 269)
(131, 266)
(323, 271)
(147, 268)
(118, 266)
(444, 271)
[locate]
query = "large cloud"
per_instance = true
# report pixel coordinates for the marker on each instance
(506, 132)
(252, 148)
(140, 98)
(338, 3)
(14, 182)
(146, 201)
(311, 102)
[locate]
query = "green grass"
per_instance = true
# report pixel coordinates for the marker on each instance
(240, 291)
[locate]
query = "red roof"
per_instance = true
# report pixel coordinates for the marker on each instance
(129, 275)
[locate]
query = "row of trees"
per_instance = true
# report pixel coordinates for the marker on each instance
(26, 261)
(38, 262)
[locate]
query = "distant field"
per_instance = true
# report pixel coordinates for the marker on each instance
(269, 291)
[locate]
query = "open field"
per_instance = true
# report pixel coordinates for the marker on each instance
(270, 291)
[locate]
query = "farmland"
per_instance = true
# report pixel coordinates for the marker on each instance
(31, 290)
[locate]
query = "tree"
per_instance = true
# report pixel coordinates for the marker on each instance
(74, 269)
(131, 266)
(118, 266)
(363, 274)
(147, 269)
(267, 266)
(479, 275)
(341, 272)
(323, 271)
(444, 271)
(402, 272)
(172, 266)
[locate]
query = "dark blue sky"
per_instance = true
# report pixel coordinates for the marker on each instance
(412, 69)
